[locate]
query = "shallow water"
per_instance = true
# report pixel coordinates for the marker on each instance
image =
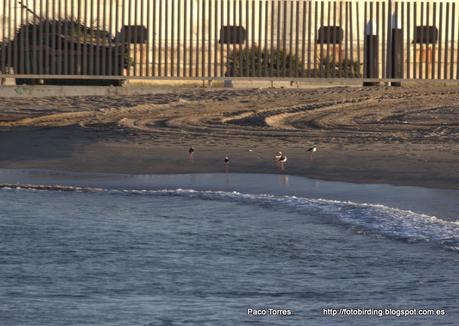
(148, 253)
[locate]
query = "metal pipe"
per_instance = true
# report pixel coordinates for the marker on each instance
(166, 38)
(445, 64)
(147, 49)
(453, 15)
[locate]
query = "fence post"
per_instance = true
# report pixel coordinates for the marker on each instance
(396, 54)
(371, 64)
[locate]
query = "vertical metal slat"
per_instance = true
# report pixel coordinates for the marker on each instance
(303, 41)
(118, 63)
(160, 38)
(209, 41)
(346, 42)
(309, 38)
(422, 54)
(415, 15)
(445, 64)
(60, 43)
(185, 35)
(215, 39)
(228, 35)
(45, 42)
(389, 41)
(434, 22)
(247, 49)
(234, 56)
(453, 21)
(440, 32)
(265, 59)
(427, 51)
(334, 62)
(315, 38)
(142, 44)
(172, 40)
(4, 39)
(351, 41)
(81, 47)
(97, 34)
(198, 32)
(27, 39)
(358, 35)
(203, 41)
(370, 49)
(147, 46)
(179, 38)
(327, 61)
(321, 72)
(253, 41)
(365, 46)
(297, 36)
(259, 45)
(408, 38)
(272, 53)
(241, 52)
(284, 39)
(457, 56)
(290, 47)
(383, 44)
(166, 38)
(221, 36)
(21, 40)
(402, 63)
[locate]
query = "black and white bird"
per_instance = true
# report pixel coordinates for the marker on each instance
(311, 151)
(226, 161)
(282, 160)
(278, 155)
(190, 153)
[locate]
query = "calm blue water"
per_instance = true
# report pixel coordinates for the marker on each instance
(182, 257)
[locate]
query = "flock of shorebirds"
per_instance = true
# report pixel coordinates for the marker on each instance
(280, 157)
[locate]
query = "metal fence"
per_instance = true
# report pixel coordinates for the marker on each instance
(217, 39)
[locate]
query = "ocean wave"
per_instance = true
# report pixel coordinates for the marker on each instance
(375, 218)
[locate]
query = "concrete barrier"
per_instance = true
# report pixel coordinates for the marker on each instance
(157, 87)
(145, 87)
(61, 91)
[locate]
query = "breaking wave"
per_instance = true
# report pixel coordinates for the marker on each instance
(373, 218)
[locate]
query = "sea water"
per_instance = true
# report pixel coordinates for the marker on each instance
(143, 251)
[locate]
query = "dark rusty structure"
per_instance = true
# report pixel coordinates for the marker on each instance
(114, 40)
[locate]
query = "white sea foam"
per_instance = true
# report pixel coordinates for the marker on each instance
(375, 218)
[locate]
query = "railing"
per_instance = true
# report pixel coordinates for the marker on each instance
(219, 39)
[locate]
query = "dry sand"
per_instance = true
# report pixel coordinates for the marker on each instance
(406, 136)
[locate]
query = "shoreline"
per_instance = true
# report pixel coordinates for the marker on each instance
(386, 176)
(330, 163)
(399, 136)
(433, 202)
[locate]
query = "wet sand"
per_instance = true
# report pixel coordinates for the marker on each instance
(407, 136)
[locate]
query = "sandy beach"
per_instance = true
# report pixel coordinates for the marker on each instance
(405, 136)
(106, 221)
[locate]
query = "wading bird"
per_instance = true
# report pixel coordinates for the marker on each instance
(277, 158)
(190, 154)
(282, 160)
(226, 162)
(311, 151)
